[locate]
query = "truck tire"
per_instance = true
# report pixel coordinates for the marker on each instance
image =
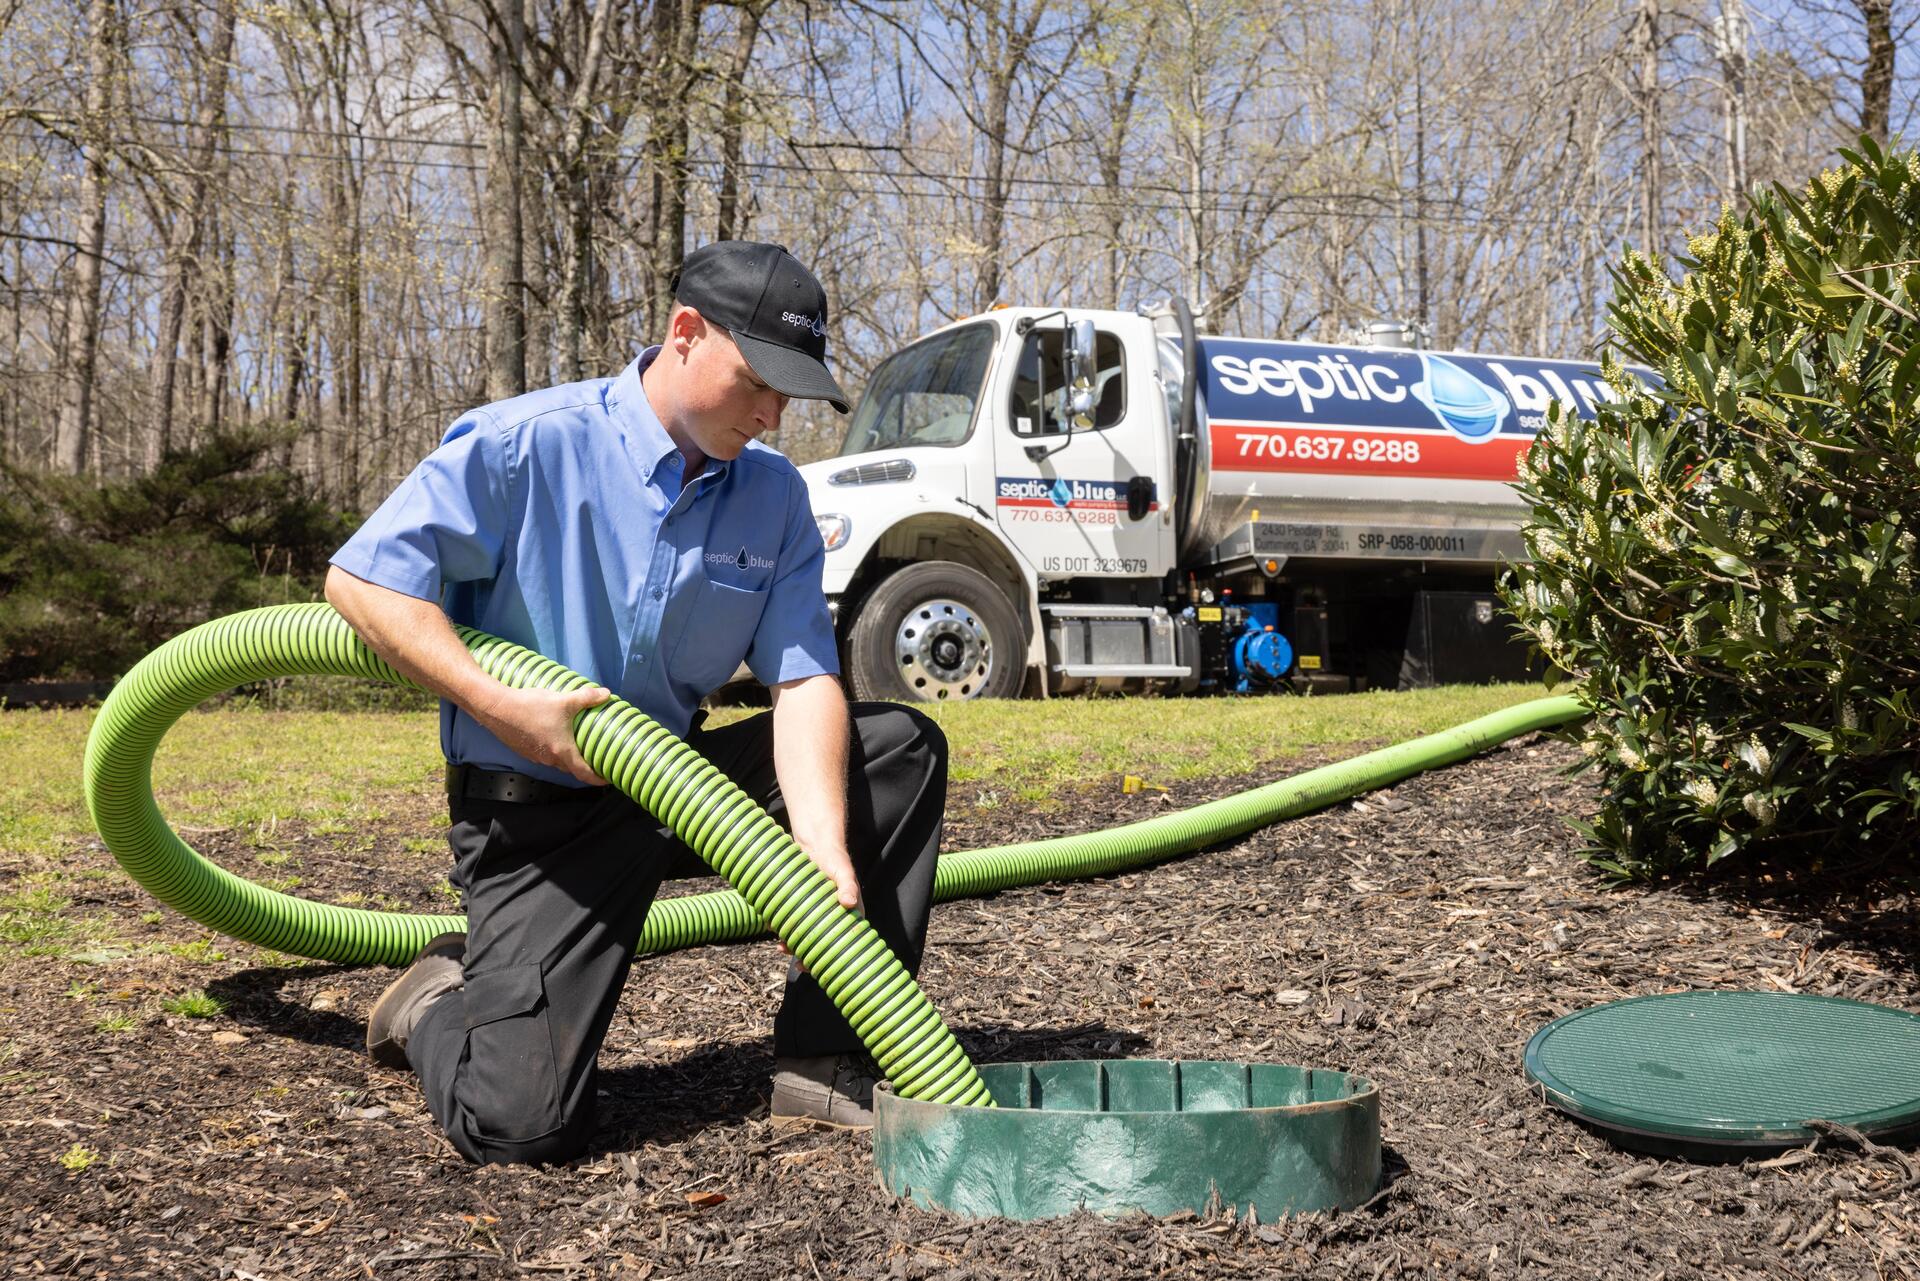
(936, 632)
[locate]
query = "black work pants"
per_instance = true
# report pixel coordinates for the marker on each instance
(556, 895)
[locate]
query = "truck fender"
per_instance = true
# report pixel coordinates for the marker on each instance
(959, 532)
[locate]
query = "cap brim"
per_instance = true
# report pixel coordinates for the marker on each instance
(792, 373)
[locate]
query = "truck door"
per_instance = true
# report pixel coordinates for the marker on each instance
(1092, 501)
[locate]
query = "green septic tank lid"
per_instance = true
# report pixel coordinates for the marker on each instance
(1156, 1135)
(1730, 1074)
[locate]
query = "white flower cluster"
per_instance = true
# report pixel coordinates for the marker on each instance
(1759, 807)
(1704, 794)
(1653, 529)
(1776, 269)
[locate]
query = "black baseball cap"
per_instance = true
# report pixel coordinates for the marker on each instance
(773, 307)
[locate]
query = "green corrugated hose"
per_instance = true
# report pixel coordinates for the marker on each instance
(723, 916)
(791, 897)
(776, 887)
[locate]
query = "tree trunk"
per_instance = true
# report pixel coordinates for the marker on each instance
(75, 425)
(731, 222)
(575, 189)
(506, 318)
(676, 32)
(282, 318)
(347, 339)
(219, 356)
(1422, 271)
(1876, 76)
(184, 238)
(1646, 45)
(1121, 92)
(1009, 46)
(1730, 30)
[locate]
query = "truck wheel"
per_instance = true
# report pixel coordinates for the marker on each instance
(933, 633)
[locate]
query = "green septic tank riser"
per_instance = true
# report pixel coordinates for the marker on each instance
(1151, 1135)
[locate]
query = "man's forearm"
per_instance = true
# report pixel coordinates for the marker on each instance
(810, 729)
(415, 639)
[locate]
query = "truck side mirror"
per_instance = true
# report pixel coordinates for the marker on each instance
(1080, 368)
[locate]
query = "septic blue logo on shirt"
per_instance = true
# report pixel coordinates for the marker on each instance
(1464, 405)
(1061, 493)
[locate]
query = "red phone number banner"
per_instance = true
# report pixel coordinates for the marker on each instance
(1263, 447)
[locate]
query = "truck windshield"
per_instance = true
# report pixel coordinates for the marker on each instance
(923, 395)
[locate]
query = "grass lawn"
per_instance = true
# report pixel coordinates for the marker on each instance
(344, 772)
(294, 799)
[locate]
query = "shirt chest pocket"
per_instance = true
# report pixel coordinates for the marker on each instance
(719, 627)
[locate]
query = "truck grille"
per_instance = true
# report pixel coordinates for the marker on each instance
(894, 469)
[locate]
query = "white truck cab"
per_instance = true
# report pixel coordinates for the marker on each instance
(1031, 501)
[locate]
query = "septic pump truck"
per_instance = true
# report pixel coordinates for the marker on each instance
(1035, 502)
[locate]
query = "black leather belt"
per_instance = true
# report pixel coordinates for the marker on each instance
(475, 784)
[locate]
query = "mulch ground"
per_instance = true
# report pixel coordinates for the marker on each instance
(1418, 936)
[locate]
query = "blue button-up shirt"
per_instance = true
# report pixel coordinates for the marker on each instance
(558, 520)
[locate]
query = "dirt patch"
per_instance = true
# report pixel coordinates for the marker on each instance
(1418, 936)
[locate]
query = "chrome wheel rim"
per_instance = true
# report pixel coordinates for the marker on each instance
(943, 651)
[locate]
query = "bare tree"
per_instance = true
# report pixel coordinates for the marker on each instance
(676, 32)
(506, 323)
(1876, 73)
(189, 216)
(330, 219)
(1644, 39)
(1730, 32)
(575, 181)
(731, 218)
(71, 439)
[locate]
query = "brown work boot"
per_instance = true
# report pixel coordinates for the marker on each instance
(433, 974)
(834, 1090)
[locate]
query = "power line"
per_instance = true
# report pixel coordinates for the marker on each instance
(1245, 196)
(1309, 203)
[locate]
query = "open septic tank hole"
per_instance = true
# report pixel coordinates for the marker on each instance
(1154, 1135)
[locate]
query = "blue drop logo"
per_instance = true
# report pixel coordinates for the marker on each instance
(1061, 493)
(1464, 405)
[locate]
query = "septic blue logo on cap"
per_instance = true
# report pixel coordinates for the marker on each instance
(1464, 405)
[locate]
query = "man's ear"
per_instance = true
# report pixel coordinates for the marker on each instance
(685, 326)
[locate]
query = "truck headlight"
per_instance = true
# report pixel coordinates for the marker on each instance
(835, 529)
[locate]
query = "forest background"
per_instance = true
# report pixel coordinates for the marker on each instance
(286, 242)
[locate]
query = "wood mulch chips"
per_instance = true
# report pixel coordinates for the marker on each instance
(1418, 936)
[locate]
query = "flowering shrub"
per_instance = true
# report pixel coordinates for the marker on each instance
(1725, 563)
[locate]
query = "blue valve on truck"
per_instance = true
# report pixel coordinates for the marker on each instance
(1262, 657)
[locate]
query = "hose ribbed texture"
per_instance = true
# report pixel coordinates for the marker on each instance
(774, 882)
(724, 916)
